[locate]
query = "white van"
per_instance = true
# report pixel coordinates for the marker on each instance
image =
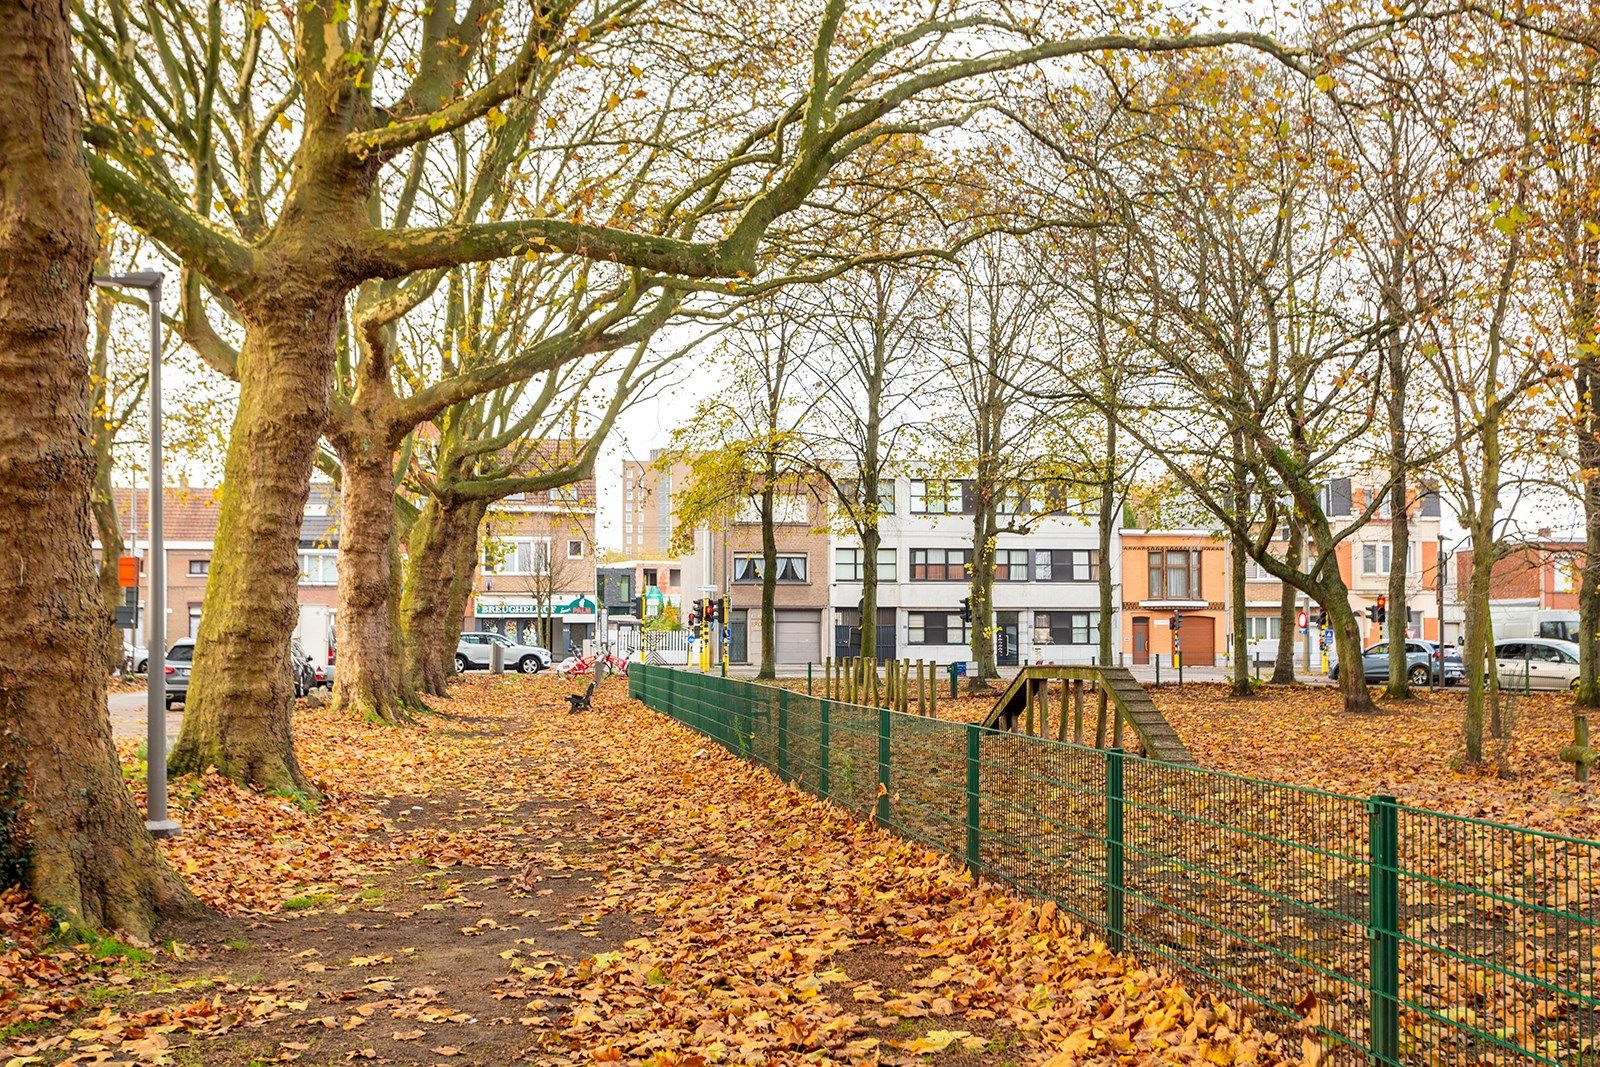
(1512, 620)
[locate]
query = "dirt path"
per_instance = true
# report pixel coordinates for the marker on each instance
(513, 884)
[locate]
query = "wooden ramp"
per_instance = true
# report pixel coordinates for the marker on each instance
(1026, 707)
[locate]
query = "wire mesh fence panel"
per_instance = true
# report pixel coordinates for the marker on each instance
(1496, 943)
(1260, 886)
(1387, 934)
(927, 788)
(1042, 820)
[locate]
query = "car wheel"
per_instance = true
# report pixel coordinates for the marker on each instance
(1419, 675)
(528, 665)
(461, 664)
(143, 667)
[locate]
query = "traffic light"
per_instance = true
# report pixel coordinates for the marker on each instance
(1177, 621)
(966, 609)
(1322, 618)
(714, 611)
(1381, 610)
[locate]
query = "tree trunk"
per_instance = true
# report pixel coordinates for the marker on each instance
(983, 546)
(1394, 626)
(241, 691)
(1347, 644)
(1240, 674)
(1476, 653)
(463, 573)
(1288, 613)
(871, 539)
(68, 827)
(426, 597)
(1108, 506)
(769, 583)
(1586, 383)
(371, 679)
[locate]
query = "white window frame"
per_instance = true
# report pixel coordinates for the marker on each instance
(946, 500)
(793, 568)
(575, 542)
(848, 561)
(518, 556)
(319, 566)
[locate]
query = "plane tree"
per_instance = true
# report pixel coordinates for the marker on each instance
(250, 142)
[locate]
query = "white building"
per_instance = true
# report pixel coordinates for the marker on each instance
(1046, 590)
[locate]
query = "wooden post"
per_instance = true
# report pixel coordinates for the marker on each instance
(933, 688)
(922, 696)
(1100, 724)
(1027, 703)
(1116, 722)
(1579, 754)
(1061, 726)
(1077, 711)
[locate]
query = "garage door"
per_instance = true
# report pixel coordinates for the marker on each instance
(1199, 634)
(799, 637)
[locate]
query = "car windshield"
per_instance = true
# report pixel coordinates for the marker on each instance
(180, 654)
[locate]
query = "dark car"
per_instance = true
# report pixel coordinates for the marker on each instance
(180, 657)
(1422, 664)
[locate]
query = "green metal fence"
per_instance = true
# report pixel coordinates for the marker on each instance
(1404, 936)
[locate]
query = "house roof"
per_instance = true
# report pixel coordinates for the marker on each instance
(190, 514)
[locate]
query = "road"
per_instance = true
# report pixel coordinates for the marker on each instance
(128, 717)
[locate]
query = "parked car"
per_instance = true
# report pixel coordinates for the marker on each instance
(472, 653)
(1422, 663)
(1536, 663)
(138, 659)
(179, 658)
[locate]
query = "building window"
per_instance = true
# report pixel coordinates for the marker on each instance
(319, 567)
(194, 620)
(1262, 628)
(514, 498)
(788, 509)
(516, 555)
(1066, 628)
(1175, 574)
(1067, 565)
(791, 569)
(1013, 501)
(675, 577)
(649, 577)
(574, 549)
(1376, 559)
(199, 568)
(848, 562)
(566, 494)
(1255, 572)
(936, 628)
(936, 497)
(940, 564)
(1561, 578)
(1011, 565)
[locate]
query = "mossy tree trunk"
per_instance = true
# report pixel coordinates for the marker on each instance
(1288, 612)
(68, 827)
(371, 680)
(441, 561)
(241, 692)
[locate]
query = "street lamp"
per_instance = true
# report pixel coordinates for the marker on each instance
(156, 821)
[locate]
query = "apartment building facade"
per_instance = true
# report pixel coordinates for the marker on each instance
(1543, 574)
(536, 573)
(1046, 591)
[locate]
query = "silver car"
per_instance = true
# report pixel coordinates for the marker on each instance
(1525, 663)
(472, 653)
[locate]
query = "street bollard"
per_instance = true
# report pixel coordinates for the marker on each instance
(1158, 668)
(497, 658)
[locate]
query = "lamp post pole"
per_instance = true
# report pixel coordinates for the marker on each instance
(156, 820)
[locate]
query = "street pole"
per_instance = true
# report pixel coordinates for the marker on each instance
(157, 821)
(1439, 581)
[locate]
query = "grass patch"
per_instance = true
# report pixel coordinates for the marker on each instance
(300, 800)
(308, 900)
(371, 895)
(26, 1026)
(238, 944)
(101, 947)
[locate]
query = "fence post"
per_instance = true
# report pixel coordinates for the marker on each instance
(822, 749)
(883, 767)
(783, 734)
(952, 680)
(808, 677)
(1383, 922)
(974, 780)
(1114, 916)
(1158, 668)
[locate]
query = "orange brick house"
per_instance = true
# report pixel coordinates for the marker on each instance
(1169, 574)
